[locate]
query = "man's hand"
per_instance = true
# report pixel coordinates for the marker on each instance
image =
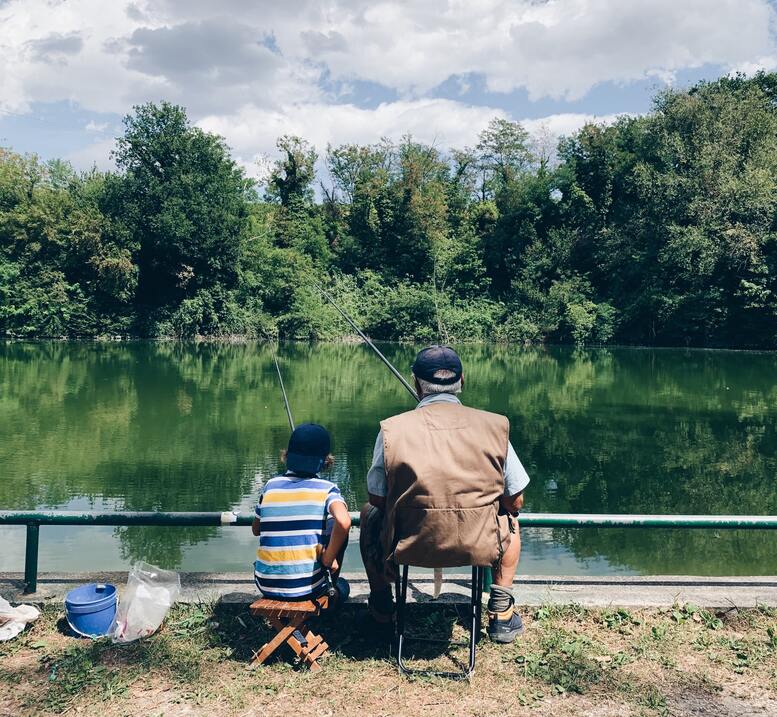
(512, 503)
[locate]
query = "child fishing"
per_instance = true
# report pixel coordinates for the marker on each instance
(302, 523)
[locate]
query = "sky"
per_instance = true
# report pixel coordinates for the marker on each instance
(341, 71)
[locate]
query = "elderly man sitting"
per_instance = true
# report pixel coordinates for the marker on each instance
(445, 488)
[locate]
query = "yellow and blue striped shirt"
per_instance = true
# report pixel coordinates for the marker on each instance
(293, 513)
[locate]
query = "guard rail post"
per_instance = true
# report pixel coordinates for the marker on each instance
(31, 558)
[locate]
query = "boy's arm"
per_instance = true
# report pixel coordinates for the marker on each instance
(255, 528)
(340, 529)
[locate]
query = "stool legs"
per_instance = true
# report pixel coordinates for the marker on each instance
(309, 653)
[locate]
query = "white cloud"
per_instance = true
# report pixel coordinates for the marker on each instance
(567, 123)
(97, 154)
(93, 126)
(762, 64)
(209, 56)
(445, 123)
(255, 70)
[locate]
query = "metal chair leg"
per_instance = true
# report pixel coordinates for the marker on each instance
(481, 582)
(475, 603)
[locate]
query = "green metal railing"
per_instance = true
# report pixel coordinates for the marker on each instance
(33, 521)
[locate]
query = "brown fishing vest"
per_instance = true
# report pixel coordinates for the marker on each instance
(444, 467)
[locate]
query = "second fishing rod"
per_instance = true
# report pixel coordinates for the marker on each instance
(330, 588)
(367, 341)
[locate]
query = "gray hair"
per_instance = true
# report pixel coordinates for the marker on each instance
(427, 387)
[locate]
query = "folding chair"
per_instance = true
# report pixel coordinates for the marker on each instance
(475, 623)
(286, 617)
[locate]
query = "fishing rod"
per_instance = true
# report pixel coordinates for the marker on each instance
(330, 588)
(437, 571)
(280, 380)
(283, 391)
(369, 343)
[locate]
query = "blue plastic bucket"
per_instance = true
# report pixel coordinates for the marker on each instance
(90, 609)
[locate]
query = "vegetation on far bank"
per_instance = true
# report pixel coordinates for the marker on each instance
(571, 661)
(657, 229)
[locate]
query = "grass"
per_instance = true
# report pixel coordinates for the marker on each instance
(571, 661)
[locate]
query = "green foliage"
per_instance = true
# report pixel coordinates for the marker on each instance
(186, 200)
(659, 229)
(565, 661)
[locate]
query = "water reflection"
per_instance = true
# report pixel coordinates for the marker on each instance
(169, 426)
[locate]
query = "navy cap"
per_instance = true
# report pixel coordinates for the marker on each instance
(309, 445)
(434, 358)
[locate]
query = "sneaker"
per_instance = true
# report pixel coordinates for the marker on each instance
(504, 626)
(381, 606)
(378, 623)
(343, 590)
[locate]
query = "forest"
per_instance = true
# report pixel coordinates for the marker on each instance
(658, 230)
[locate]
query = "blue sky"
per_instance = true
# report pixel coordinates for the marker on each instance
(347, 71)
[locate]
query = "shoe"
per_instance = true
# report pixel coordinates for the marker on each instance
(343, 590)
(505, 626)
(379, 621)
(381, 606)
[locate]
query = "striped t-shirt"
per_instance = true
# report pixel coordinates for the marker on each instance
(293, 512)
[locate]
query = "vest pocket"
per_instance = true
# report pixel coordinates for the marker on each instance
(447, 537)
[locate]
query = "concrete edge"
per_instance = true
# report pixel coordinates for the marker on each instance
(719, 592)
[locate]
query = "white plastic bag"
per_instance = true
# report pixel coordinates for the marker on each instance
(14, 619)
(149, 594)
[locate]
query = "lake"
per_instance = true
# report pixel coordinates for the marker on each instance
(199, 426)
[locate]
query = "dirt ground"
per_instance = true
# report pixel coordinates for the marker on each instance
(571, 661)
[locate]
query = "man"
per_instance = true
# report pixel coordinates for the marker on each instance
(445, 482)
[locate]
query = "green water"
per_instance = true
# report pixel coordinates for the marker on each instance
(165, 426)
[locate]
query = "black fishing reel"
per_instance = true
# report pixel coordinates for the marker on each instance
(330, 590)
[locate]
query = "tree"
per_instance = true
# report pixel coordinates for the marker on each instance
(503, 153)
(291, 181)
(184, 200)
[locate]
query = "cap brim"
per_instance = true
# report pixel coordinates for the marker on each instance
(303, 464)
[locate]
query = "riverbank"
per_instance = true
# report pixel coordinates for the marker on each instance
(571, 661)
(631, 591)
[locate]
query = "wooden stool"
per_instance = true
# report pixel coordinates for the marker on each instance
(286, 617)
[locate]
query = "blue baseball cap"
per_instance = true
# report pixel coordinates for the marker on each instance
(434, 358)
(309, 445)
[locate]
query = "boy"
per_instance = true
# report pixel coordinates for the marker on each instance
(302, 522)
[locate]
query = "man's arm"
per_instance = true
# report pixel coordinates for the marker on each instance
(516, 480)
(376, 477)
(255, 527)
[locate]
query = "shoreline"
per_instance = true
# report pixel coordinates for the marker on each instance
(354, 339)
(645, 591)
